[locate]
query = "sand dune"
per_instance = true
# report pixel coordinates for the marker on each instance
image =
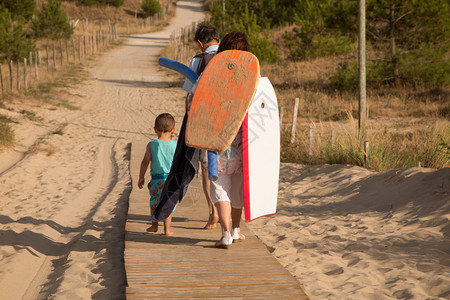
(348, 233)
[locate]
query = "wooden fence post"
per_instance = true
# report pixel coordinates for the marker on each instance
(67, 50)
(11, 74)
(84, 47)
(294, 120)
(311, 139)
(39, 56)
(18, 75)
(25, 86)
(366, 152)
(48, 59)
(54, 57)
(73, 50)
(61, 51)
(31, 69)
(79, 49)
(36, 65)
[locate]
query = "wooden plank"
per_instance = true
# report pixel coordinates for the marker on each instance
(187, 265)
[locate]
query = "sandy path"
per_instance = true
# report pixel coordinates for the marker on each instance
(62, 215)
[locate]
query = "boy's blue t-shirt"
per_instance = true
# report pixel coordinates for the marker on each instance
(161, 156)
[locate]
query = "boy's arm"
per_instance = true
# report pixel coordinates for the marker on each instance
(144, 165)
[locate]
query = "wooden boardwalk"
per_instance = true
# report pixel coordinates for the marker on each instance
(186, 265)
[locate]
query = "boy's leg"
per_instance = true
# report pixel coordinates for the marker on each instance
(167, 223)
(154, 227)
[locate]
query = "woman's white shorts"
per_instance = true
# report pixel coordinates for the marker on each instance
(230, 188)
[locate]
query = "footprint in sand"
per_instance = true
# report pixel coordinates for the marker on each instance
(332, 269)
(395, 264)
(298, 244)
(403, 294)
(280, 238)
(353, 259)
(310, 245)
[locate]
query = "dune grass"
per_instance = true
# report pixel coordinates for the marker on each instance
(408, 126)
(425, 145)
(6, 132)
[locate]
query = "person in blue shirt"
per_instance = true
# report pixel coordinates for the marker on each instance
(159, 154)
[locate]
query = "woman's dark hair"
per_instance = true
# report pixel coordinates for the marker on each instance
(234, 40)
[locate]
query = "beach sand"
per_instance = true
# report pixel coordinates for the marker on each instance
(349, 233)
(343, 231)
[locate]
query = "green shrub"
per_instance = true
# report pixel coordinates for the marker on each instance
(346, 76)
(22, 8)
(258, 38)
(444, 111)
(116, 3)
(343, 115)
(150, 7)
(426, 66)
(52, 22)
(6, 133)
(302, 45)
(15, 42)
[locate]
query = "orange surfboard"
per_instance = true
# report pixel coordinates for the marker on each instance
(221, 100)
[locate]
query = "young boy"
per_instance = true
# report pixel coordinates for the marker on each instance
(159, 153)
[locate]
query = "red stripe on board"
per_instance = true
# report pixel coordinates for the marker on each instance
(245, 168)
(260, 217)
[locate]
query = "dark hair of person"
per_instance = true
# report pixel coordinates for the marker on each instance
(164, 122)
(234, 40)
(205, 33)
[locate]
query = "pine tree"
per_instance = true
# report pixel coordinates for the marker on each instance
(52, 22)
(15, 44)
(22, 8)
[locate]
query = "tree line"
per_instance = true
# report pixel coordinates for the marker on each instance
(22, 23)
(408, 41)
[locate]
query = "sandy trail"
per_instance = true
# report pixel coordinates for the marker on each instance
(62, 216)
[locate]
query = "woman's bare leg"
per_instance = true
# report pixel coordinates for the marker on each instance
(213, 216)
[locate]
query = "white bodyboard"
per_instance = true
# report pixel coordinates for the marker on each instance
(261, 153)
